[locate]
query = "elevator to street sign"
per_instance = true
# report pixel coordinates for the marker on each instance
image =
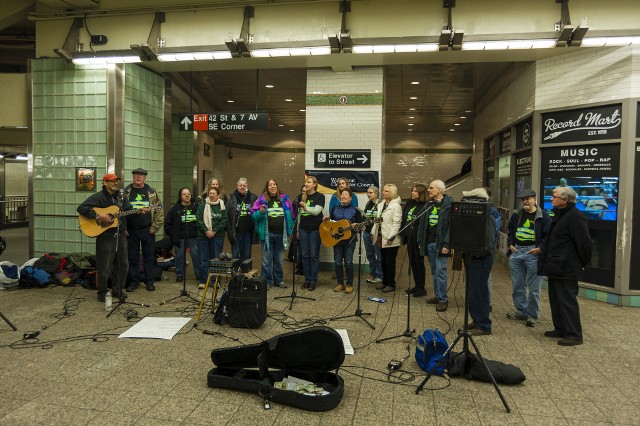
(227, 121)
(342, 158)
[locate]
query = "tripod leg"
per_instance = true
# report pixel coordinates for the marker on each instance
(486, 367)
(8, 322)
(439, 364)
(204, 295)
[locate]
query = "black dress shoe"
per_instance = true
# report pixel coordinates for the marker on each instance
(117, 294)
(554, 334)
(151, 287)
(433, 301)
(420, 292)
(381, 286)
(312, 286)
(567, 341)
(411, 290)
(305, 285)
(132, 287)
(101, 297)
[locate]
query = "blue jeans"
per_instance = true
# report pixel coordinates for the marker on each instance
(343, 252)
(195, 260)
(438, 266)
(208, 248)
(241, 248)
(141, 238)
(373, 255)
(479, 270)
(272, 258)
(525, 282)
(310, 245)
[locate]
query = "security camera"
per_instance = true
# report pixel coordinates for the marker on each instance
(230, 155)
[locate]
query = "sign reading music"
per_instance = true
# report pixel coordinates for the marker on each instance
(228, 121)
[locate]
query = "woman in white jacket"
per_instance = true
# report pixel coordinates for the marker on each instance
(385, 235)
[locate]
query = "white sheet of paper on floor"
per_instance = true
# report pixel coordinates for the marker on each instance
(348, 349)
(156, 328)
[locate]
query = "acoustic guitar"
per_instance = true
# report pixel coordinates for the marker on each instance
(331, 233)
(91, 228)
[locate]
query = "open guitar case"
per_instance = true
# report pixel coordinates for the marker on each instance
(311, 354)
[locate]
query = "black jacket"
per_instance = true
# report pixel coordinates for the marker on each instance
(542, 223)
(232, 207)
(567, 247)
(411, 232)
(442, 229)
(172, 223)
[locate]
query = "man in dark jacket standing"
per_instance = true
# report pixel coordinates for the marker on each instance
(111, 244)
(527, 228)
(240, 228)
(566, 251)
(142, 229)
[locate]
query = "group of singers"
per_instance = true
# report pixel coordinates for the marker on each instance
(273, 220)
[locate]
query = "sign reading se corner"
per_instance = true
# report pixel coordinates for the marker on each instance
(582, 125)
(227, 121)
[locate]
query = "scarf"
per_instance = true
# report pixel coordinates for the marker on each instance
(207, 211)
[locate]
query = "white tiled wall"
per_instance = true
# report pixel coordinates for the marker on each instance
(587, 76)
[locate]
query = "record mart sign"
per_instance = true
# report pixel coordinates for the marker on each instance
(582, 125)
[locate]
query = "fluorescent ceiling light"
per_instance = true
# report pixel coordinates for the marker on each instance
(106, 60)
(428, 47)
(473, 45)
(22, 157)
(609, 41)
(397, 48)
(269, 86)
(194, 56)
(496, 45)
(413, 98)
(362, 49)
(415, 82)
(384, 48)
(406, 48)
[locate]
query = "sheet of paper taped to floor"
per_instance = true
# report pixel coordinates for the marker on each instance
(156, 328)
(348, 349)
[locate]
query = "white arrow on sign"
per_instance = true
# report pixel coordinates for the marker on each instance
(363, 158)
(185, 122)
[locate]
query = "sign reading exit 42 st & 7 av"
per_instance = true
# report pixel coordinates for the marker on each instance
(228, 121)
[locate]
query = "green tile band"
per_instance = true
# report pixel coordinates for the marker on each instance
(345, 99)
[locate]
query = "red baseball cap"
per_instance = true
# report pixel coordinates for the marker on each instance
(109, 177)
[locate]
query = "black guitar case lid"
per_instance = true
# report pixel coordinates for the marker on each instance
(311, 354)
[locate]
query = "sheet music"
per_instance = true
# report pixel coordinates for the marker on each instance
(156, 328)
(348, 349)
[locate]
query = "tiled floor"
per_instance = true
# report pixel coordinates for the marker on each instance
(79, 372)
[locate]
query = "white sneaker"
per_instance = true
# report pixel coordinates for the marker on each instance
(201, 286)
(376, 280)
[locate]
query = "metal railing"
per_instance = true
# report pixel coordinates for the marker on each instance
(14, 210)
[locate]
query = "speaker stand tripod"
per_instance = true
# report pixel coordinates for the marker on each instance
(358, 313)
(466, 337)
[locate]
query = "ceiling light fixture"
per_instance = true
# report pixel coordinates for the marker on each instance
(269, 86)
(413, 98)
(415, 82)
(288, 100)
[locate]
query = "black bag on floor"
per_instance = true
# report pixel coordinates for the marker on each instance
(247, 303)
(310, 354)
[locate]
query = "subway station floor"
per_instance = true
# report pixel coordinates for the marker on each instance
(77, 371)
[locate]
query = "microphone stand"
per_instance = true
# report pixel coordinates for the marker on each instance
(358, 313)
(185, 244)
(293, 294)
(408, 332)
(122, 296)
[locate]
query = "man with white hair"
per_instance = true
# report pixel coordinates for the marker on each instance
(240, 226)
(433, 239)
(566, 251)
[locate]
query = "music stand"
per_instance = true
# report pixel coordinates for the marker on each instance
(293, 294)
(358, 313)
(408, 332)
(183, 292)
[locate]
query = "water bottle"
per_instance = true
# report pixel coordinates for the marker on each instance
(107, 301)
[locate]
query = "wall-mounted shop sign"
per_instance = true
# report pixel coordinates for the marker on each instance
(342, 158)
(227, 121)
(586, 124)
(505, 142)
(358, 181)
(523, 134)
(490, 147)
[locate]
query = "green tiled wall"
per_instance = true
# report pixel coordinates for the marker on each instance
(144, 125)
(69, 131)
(181, 159)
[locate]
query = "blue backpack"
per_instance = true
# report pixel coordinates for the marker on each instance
(430, 348)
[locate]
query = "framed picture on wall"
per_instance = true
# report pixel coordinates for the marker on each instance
(85, 179)
(207, 150)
